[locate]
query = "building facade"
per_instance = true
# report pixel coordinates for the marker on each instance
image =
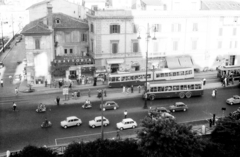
(209, 38)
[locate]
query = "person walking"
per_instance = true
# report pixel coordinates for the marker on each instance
(10, 78)
(125, 114)
(128, 90)
(14, 106)
(105, 92)
(118, 135)
(132, 89)
(124, 88)
(204, 81)
(89, 92)
(213, 93)
(1, 82)
(225, 82)
(139, 89)
(210, 123)
(16, 91)
(58, 100)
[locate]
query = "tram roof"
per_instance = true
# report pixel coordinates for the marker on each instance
(229, 67)
(176, 81)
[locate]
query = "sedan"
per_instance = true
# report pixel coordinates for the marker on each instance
(126, 124)
(97, 121)
(233, 100)
(178, 106)
(157, 110)
(71, 121)
(109, 105)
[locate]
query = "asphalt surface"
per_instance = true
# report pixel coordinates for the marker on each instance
(22, 127)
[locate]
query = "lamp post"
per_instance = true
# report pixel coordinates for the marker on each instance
(102, 135)
(2, 35)
(148, 36)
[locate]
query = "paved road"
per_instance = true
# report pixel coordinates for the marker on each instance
(23, 127)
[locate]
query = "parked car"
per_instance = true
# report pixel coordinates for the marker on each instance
(126, 124)
(97, 121)
(157, 110)
(71, 121)
(233, 100)
(178, 106)
(167, 115)
(1, 65)
(109, 105)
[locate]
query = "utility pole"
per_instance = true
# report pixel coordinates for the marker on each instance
(2, 32)
(102, 137)
(12, 26)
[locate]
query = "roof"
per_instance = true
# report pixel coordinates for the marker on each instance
(100, 117)
(71, 117)
(127, 119)
(39, 3)
(152, 2)
(38, 26)
(222, 5)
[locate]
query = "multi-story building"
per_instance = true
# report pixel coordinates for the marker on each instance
(200, 38)
(56, 45)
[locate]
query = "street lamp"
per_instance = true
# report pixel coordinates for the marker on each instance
(2, 35)
(154, 38)
(102, 134)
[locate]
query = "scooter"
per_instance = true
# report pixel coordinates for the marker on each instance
(46, 124)
(41, 109)
(87, 105)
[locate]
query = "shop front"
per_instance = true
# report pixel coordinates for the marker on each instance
(114, 64)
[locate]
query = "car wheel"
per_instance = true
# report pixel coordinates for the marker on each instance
(173, 110)
(65, 127)
(105, 124)
(133, 126)
(184, 110)
(78, 124)
(103, 109)
(181, 95)
(115, 108)
(93, 126)
(121, 128)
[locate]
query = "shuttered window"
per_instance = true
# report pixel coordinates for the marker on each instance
(92, 28)
(84, 37)
(135, 47)
(114, 48)
(114, 29)
(37, 43)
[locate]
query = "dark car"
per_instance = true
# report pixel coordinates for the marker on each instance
(109, 105)
(178, 106)
(153, 111)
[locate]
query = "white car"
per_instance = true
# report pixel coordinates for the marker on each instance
(98, 122)
(126, 124)
(71, 121)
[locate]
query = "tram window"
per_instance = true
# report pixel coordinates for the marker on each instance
(159, 89)
(166, 88)
(151, 89)
(170, 74)
(118, 79)
(132, 77)
(113, 79)
(169, 88)
(110, 79)
(186, 72)
(148, 75)
(154, 89)
(166, 74)
(123, 78)
(175, 87)
(136, 77)
(190, 86)
(174, 73)
(157, 75)
(183, 87)
(162, 74)
(190, 71)
(181, 73)
(197, 86)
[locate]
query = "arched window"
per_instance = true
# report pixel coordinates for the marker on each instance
(57, 21)
(92, 28)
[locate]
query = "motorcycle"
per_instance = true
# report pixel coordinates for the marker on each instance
(41, 108)
(46, 124)
(87, 105)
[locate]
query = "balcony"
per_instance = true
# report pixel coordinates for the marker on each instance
(116, 55)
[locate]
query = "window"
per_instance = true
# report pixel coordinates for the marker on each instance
(195, 27)
(57, 21)
(37, 43)
(84, 37)
(219, 44)
(114, 46)
(92, 28)
(220, 31)
(134, 46)
(234, 31)
(134, 28)
(236, 44)
(65, 51)
(71, 51)
(194, 44)
(92, 45)
(114, 29)
(157, 28)
(94, 7)
(175, 45)
(176, 27)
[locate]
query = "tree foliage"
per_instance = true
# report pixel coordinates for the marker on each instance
(166, 138)
(104, 148)
(33, 151)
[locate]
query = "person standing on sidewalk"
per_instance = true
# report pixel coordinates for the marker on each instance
(89, 92)
(128, 90)
(204, 81)
(58, 100)
(16, 91)
(125, 114)
(132, 89)
(105, 92)
(14, 106)
(139, 89)
(1, 82)
(124, 89)
(213, 93)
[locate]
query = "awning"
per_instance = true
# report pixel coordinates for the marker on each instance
(173, 62)
(186, 62)
(115, 61)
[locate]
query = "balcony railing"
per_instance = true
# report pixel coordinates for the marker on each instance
(117, 55)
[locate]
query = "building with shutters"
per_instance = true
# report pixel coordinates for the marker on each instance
(205, 38)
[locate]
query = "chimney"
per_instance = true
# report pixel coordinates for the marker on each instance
(49, 16)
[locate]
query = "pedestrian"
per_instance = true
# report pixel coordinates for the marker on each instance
(210, 123)
(59, 84)
(225, 82)
(128, 90)
(70, 85)
(204, 81)
(232, 79)
(125, 114)
(58, 100)
(1, 82)
(118, 135)
(89, 93)
(45, 83)
(124, 89)
(105, 92)
(14, 106)
(132, 89)
(213, 93)
(8, 153)
(215, 90)
(139, 89)
(16, 91)
(20, 77)
(78, 93)
(10, 78)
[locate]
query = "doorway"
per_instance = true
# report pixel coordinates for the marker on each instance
(72, 74)
(114, 68)
(232, 60)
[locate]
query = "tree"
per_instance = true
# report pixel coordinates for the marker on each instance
(104, 148)
(165, 138)
(30, 151)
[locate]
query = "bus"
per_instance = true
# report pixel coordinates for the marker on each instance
(231, 71)
(139, 77)
(177, 88)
